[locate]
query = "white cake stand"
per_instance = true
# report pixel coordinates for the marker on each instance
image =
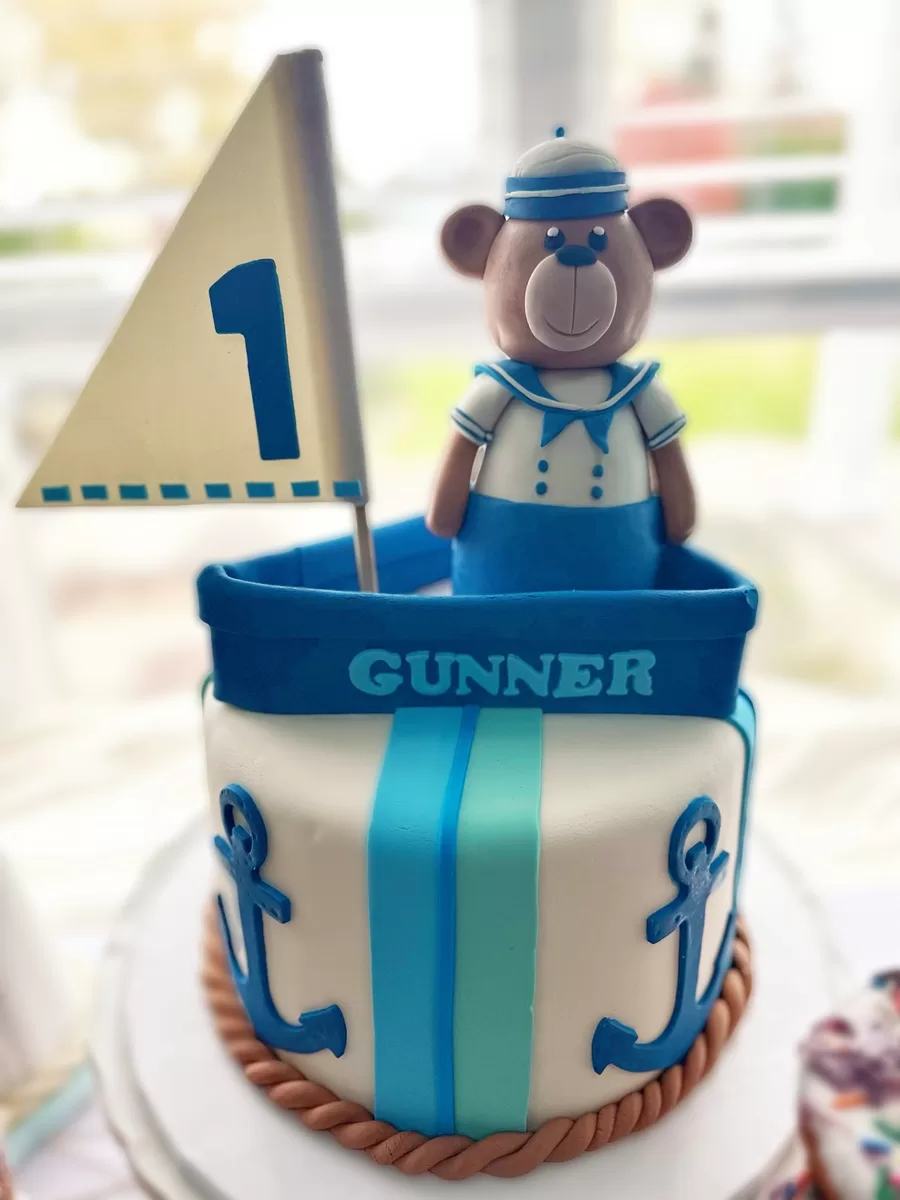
(194, 1129)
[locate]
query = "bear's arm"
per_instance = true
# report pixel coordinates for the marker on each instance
(474, 419)
(447, 509)
(662, 421)
(676, 491)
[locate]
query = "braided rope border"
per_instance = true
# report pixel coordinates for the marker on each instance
(455, 1157)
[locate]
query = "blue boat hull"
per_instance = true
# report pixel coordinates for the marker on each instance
(290, 634)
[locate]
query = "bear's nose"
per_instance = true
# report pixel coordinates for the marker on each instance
(576, 256)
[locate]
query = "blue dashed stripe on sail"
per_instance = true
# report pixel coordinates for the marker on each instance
(255, 489)
(261, 491)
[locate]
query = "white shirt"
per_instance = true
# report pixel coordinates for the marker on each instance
(572, 470)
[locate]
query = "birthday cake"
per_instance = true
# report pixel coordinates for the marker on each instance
(474, 916)
(477, 855)
(850, 1097)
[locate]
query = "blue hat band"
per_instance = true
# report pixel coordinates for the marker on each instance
(558, 197)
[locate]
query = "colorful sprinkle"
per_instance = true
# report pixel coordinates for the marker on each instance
(875, 1146)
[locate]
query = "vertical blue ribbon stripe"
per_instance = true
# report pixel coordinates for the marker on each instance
(411, 847)
(446, 934)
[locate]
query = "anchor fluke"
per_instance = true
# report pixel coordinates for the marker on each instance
(327, 1027)
(612, 1043)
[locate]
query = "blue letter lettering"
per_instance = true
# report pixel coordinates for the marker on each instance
(418, 676)
(632, 666)
(575, 675)
(471, 669)
(518, 671)
(375, 685)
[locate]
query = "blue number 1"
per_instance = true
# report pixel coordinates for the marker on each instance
(247, 300)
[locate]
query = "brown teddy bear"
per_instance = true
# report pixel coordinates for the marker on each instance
(582, 477)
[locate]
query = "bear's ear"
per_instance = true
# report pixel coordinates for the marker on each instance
(667, 230)
(467, 236)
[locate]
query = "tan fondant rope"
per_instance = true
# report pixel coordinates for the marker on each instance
(457, 1157)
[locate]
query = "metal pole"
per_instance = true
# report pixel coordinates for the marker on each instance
(364, 549)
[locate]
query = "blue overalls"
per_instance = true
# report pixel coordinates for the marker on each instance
(509, 546)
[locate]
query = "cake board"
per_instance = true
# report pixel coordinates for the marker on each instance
(194, 1129)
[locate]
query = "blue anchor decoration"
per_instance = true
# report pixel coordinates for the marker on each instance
(244, 853)
(697, 871)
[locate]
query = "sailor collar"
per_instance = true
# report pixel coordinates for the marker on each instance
(523, 381)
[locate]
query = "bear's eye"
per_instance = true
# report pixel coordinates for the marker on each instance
(553, 238)
(597, 238)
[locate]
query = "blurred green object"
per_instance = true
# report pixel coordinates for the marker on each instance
(822, 134)
(47, 241)
(790, 196)
(744, 385)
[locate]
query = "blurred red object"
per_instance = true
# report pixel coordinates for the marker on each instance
(647, 144)
(644, 142)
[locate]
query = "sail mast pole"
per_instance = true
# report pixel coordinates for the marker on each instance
(364, 549)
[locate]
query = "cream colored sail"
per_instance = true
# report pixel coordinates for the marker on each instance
(267, 409)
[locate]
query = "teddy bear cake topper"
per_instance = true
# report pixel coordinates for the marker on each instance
(582, 478)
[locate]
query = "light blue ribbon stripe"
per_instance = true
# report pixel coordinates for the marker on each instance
(498, 854)
(412, 885)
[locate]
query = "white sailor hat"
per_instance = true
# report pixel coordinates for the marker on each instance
(563, 178)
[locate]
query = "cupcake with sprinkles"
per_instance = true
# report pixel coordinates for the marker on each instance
(850, 1097)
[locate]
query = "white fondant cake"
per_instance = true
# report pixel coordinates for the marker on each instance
(612, 788)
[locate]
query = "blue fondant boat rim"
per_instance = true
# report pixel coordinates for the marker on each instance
(311, 591)
(291, 634)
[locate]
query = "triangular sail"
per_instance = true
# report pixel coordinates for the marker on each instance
(231, 376)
